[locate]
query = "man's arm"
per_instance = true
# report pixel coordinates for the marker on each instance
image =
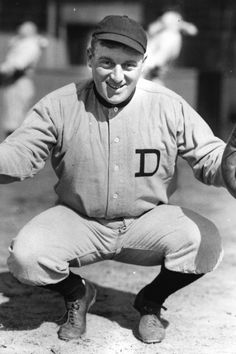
(25, 151)
(200, 147)
(228, 165)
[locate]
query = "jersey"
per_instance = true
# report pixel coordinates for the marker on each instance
(24, 53)
(16, 77)
(112, 162)
(163, 48)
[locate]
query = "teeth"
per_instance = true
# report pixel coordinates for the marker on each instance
(114, 87)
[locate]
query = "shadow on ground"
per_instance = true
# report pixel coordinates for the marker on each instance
(26, 307)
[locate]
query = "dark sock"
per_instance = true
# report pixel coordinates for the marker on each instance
(71, 288)
(166, 283)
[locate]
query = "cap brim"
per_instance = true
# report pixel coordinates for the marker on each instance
(121, 39)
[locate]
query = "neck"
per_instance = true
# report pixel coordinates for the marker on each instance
(108, 104)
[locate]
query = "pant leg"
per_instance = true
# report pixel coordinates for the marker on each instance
(178, 238)
(53, 241)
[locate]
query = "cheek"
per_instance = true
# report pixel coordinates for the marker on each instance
(100, 73)
(100, 82)
(135, 75)
(134, 79)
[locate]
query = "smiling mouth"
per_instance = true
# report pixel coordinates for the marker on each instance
(114, 87)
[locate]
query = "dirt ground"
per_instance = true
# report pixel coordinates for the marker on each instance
(200, 319)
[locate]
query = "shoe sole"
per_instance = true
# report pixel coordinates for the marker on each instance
(149, 341)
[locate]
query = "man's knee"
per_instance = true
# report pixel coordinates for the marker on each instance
(26, 250)
(22, 258)
(198, 249)
(206, 234)
(210, 251)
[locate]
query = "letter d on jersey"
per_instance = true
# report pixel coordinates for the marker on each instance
(143, 153)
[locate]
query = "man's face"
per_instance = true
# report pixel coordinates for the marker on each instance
(115, 71)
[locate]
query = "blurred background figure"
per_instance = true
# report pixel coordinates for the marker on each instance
(165, 43)
(16, 71)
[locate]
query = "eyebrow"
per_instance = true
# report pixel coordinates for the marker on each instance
(126, 61)
(104, 57)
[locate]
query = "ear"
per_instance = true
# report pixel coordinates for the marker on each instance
(143, 63)
(89, 56)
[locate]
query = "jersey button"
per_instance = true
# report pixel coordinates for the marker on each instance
(116, 168)
(115, 195)
(117, 139)
(115, 109)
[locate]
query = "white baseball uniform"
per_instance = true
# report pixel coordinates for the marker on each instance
(23, 55)
(115, 167)
(165, 42)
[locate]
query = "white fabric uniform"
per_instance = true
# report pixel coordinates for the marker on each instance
(24, 54)
(165, 41)
(112, 164)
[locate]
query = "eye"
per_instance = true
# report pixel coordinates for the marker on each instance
(105, 63)
(130, 66)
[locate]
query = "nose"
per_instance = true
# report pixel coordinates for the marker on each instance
(117, 74)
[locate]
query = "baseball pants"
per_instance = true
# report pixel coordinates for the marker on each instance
(60, 238)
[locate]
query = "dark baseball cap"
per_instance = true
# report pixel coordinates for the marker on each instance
(124, 30)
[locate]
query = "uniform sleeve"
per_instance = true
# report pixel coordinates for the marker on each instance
(25, 152)
(199, 146)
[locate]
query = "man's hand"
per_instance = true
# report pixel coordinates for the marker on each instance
(229, 164)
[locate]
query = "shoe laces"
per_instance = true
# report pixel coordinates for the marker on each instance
(152, 321)
(73, 312)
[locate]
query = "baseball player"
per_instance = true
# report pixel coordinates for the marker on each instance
(165, 40)
(113, 140)
(16, 71)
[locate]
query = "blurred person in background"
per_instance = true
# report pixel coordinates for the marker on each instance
(165, 44)
(16, 73)
(114, 140)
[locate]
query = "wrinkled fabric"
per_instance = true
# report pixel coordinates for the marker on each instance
(60, 238)
(112, 162)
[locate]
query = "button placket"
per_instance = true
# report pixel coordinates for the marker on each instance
(115, 195)
(116, 167)
(113, 112)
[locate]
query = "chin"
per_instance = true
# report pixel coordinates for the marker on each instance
(116, 99)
